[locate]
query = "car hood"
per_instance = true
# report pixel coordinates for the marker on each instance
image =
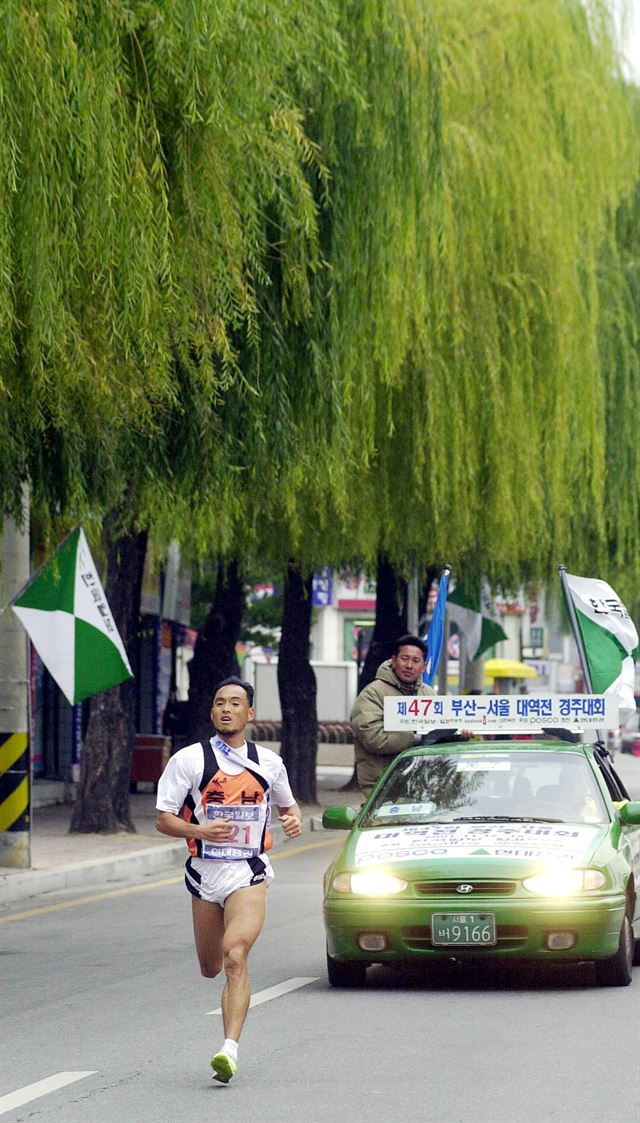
(496, 844)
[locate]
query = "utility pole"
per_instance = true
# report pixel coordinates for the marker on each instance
(15, 778)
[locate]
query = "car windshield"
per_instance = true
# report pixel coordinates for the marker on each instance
(519, 785)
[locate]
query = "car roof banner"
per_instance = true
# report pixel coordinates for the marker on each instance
(504, 713)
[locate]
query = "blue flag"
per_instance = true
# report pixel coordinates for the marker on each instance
(435, 634)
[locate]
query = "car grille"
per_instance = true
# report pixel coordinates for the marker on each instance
(508, 936)
(447, 888)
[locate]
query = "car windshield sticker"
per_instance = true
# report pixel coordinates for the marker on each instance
(467, 765)
(388, 810)
(541, 841)
(485, 755)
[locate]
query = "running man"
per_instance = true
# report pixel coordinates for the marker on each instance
(217, 795)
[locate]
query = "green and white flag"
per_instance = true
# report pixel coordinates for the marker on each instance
(475, 613)
(607, 638)
(68, 620)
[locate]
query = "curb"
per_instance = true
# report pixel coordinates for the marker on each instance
(96, 873)
(116, 867)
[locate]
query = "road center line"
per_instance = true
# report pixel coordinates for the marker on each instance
(274, 992)
(174, 880)
(40, 1088)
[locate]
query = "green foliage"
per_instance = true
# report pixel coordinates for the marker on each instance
(262, 616)
(479, 201)
(262, 621)
(142, 144)
(81, 249)
(447, 394)
(312, 280)
(619, 283)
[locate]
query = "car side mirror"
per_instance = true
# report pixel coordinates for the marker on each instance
(630, 814)
(339, 818)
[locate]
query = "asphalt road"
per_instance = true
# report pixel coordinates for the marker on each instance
(102, 1001)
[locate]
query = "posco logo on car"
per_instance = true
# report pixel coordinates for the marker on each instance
(464, 888)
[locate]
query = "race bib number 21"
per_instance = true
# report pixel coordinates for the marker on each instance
(246, 833)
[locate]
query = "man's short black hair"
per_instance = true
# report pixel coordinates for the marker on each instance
(233, 680)
(410, 641)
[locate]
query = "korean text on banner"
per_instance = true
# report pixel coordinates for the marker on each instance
(606, 637)
(65, 613)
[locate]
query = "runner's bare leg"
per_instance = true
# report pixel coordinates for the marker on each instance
(208, 932)
(244, 913)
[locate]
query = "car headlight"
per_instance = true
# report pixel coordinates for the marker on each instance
(372, 883)
(564, 882)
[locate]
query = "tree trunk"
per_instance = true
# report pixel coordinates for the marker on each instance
(297, 686)
(214, 657)
(391, 619)
(103, 797)
(424, 617)
(474, 676)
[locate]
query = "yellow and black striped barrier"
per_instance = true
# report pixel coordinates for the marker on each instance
(14, 799)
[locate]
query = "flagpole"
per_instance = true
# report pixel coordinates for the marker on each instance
(443, 662)
(577, 635)
(435, 636)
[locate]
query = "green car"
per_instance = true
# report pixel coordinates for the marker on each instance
(497, 849)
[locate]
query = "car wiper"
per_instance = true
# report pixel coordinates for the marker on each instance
(504, 819)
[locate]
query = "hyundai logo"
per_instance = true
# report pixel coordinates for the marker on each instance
(464, 888)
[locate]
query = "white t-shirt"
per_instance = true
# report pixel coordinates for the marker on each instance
(181, 781)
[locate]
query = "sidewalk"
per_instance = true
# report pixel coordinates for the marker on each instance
(60, 860)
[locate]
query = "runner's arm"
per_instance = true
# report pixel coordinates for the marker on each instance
(291, 819)
(214, 830)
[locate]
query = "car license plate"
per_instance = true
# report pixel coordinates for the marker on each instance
(463, 928)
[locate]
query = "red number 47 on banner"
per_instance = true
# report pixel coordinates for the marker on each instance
(420, 706)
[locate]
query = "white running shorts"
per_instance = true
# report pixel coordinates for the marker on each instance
(215, 881)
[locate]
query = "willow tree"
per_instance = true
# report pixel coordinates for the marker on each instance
(140, 156)
(271, 435)
(474, 202)
(474, 191)
(238, 192)
(475, 169)
(84, 296)
(620, 357)
(449, 375)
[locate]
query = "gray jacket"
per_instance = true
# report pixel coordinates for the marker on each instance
(374, 747)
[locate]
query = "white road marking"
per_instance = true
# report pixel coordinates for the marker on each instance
(274, 992)
(40, 1088)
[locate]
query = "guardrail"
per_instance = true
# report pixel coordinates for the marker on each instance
(329, 732)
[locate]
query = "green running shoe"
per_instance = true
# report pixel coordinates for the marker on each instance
(223, 1067)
